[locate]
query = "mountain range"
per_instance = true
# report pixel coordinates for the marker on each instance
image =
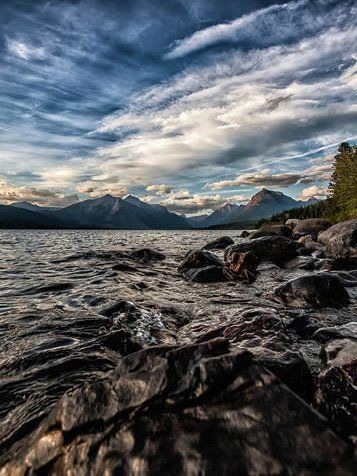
(130, 212)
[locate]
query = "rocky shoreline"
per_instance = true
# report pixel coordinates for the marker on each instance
(266, 387)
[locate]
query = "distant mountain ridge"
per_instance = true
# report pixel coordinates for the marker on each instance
(106, 212)
(122, 213)
(263, 204)
(130, 212)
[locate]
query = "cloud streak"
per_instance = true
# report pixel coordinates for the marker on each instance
(239, 29)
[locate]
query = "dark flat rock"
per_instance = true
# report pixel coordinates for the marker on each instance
(196, 409)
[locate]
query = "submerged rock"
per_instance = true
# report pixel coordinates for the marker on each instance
(311, 226)
(277, 249)
(315, 290)
(219, 244)
(195, 409)
(271, 230)
(340, 240)
(337, 383)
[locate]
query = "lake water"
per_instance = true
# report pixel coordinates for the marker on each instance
(63, 304)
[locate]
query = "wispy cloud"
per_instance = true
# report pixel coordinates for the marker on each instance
(266, 178)
(238, 29)
(222, 114)
(25, 51)
(267, 26)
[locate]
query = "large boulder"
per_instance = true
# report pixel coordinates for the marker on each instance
(199, 259)
(242, 266)
(340, 240)
(196, 409)
(202, 267)
(277, 249)
(219, 244)
(308, 243)
(292, 222)
(315, 290)
(312, 226)
(208, 274)
(271, 230)
(337, 383)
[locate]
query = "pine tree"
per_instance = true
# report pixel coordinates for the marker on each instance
(343, 185)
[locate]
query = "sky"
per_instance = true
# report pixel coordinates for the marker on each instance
(188, 103)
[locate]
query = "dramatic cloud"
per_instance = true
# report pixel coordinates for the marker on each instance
(91, 105)
(253, 106)
(184, 202)
(97, 189)
(159, 189)
(313, 192)
(265, 178)
(10, 194)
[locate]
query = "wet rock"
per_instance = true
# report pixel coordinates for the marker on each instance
(348, 279)
(297, 236)
(340, 240)
(147, 255)
(312, 226)
(242, 267)
(219, 244)
(325, 334)
(199, 259)
(271, 230)
(308, 245)
(325, 264)
(318, 254)
(302, 251)
(303, 326)
(208, 274)
(316, 290)
(277, 249)
(244, 234)
(301, 262)
(337, 383)
(261, 331)
(146, 326)
(292, 222)
(195, 409)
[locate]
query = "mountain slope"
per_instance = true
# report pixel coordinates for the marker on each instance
(13, 217)
(262, 205)
(221, 214)
(117, 213)
(33, 208)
